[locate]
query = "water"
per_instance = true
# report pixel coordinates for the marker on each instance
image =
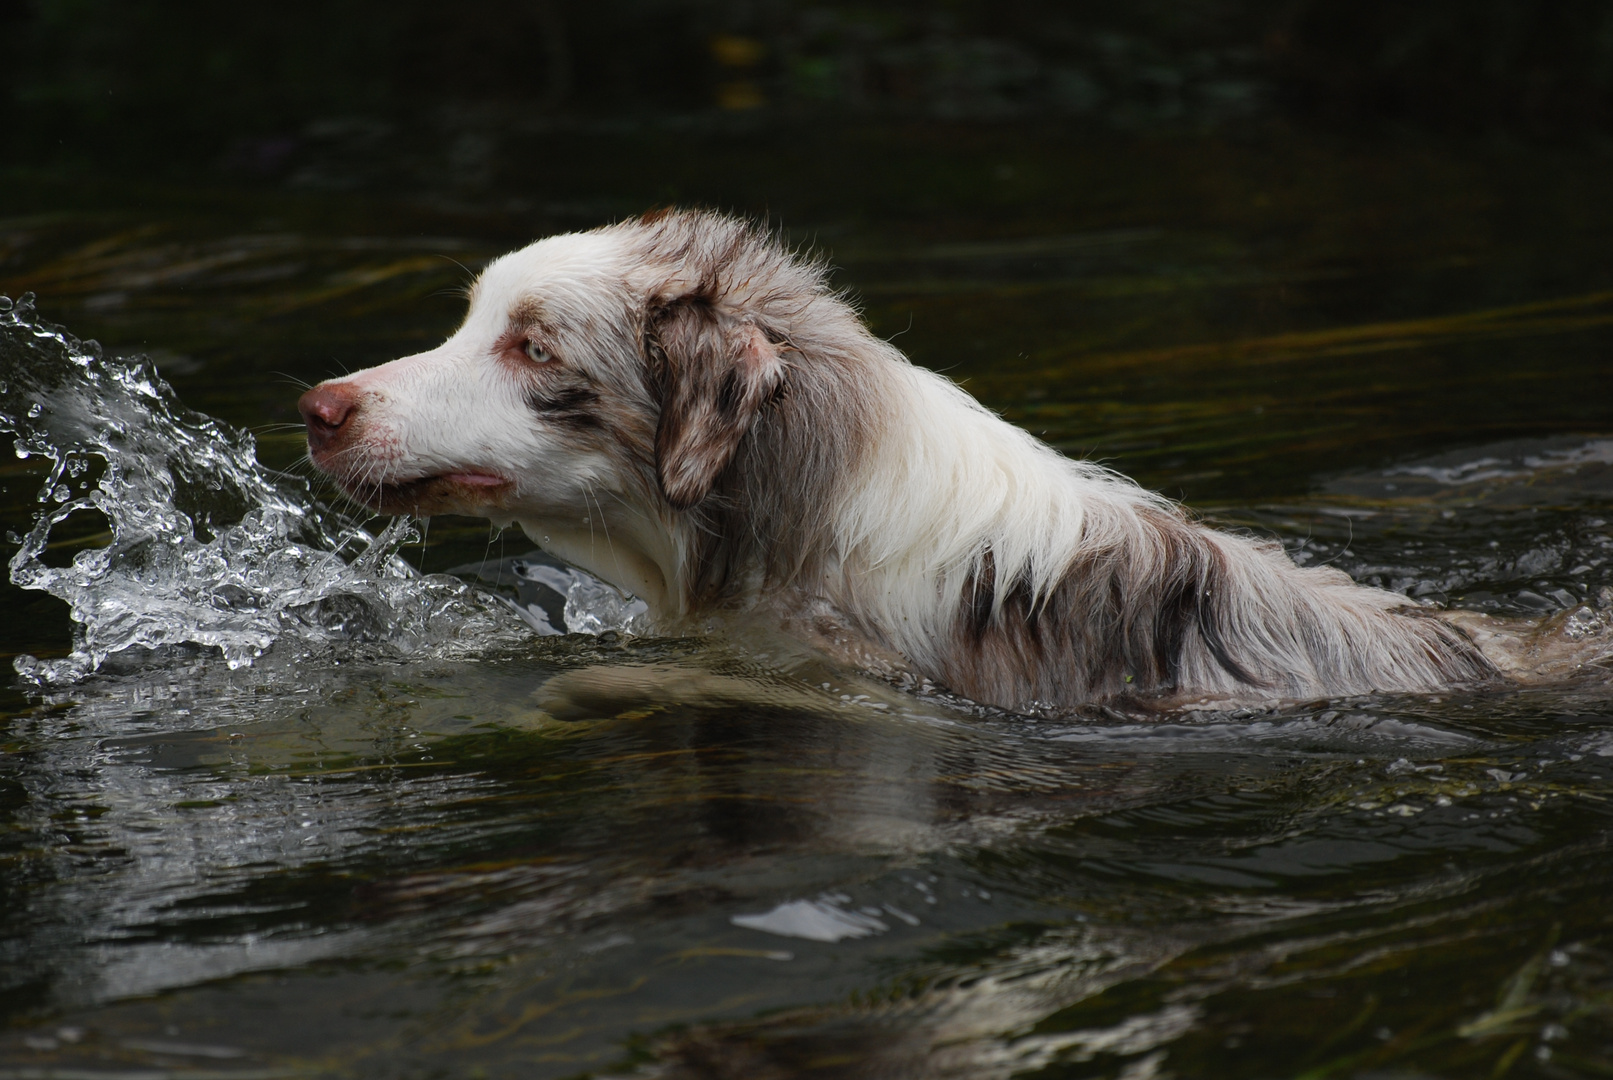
(308, 795)
(208, 549)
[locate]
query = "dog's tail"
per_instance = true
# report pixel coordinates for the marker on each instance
(1265, 624)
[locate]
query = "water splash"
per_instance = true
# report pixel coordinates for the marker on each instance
(557, 598)
(207, 547)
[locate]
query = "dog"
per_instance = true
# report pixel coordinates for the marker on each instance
(684, 407)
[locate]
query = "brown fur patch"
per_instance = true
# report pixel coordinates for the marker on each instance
(760, 375)
(1116, 623)
(575, 406)
(715, 375)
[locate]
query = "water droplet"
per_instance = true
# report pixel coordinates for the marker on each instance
(185, 587)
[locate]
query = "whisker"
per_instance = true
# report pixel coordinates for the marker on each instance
(587, 492)
(493, 531)
(603, 524)
(634, 510)
(463, 290)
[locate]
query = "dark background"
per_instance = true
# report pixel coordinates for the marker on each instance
(273, 91)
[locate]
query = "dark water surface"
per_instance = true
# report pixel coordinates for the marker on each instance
(416, 838)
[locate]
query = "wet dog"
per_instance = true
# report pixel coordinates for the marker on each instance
(683, 407)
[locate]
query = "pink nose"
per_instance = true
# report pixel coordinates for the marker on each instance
(326, 410)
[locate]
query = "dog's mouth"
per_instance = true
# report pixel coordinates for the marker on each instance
(463, 492)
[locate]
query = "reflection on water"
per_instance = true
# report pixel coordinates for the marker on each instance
(423, 852)
(454, 846)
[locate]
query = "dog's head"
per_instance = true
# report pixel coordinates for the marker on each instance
(601, 381)
(587, 360)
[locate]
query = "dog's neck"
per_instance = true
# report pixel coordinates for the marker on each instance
(624, 561)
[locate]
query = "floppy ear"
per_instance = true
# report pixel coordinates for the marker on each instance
(715, 376)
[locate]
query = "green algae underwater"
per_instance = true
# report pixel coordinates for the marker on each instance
(387, 847)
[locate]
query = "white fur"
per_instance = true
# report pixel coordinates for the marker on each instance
(949, 480)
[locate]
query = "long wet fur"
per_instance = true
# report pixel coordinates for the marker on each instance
(789, 461)
(1014, 574)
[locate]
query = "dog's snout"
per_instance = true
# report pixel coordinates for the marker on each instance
(326, 410)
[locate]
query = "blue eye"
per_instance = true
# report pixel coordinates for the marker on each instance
(537, 353)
